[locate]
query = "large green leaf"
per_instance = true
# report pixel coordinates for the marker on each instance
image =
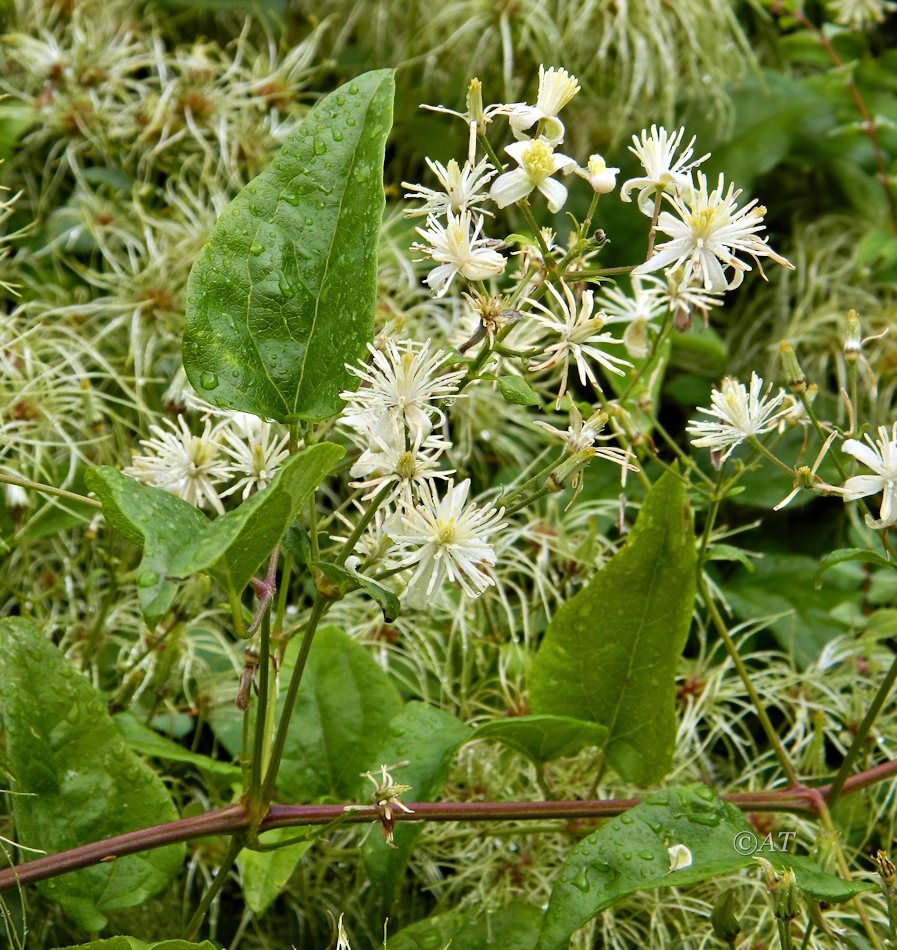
(343, 710)
(512, 927)
(630, 854)
(158, 521)
(611, 652)
(427, 739)
(543, 738)
(179, 540)
(782, 586)
(82, 780)
(234, 546)
(283, 294)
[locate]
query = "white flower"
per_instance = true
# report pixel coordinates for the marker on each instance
(398, 389)
(579, 333)
(256, 451)
(538, 162)
(446, 537)
(184, 464)
(680, 857)
(602, 179)
(583, 434)
(655, 150)
(637, 311)
(707, 234)
(683, 296)
(737, 415)
(556, 88)
(457, 251)
(859, 14)
(392, 460)
(461, 188)
(881, 456)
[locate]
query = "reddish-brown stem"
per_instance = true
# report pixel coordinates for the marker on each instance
(862, 108)
(235, 820)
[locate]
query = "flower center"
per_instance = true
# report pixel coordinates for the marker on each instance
(445, 531)
(406, 467)
(704, 222)
(538, 160)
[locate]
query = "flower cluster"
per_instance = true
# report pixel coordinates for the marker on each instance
(395, 418)
(235, 453)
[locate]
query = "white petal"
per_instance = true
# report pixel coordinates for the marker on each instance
(553, 129)
(714, 276)
(862, 485)
(518, 149)
(864, 453)
(522, 118)
(555, 192)
(562, 163)
(888, 505)
(662, 259)
(440, 277)
(510, 187)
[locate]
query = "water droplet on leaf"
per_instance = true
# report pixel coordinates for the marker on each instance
(208, 381)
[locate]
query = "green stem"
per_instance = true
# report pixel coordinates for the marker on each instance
(784, 927)
(286, 716)
(199, 916)
(761, 448)
(48, 490)
(541, 493)
(666, 330)
(859, 740)
(524, 206)
(542, 474)
(365, 519)
(745, 675)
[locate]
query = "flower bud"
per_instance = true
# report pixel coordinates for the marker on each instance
(724, 917)
(560, 477)
(475, 104)
(602, 179)
(886, 870)
(794, 375)
(853, 342)
(786, 897)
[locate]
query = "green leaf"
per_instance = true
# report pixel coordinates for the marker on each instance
(234, 546)
(179, 540)
(343, 710)
(347, 581)
(781, 587)
(842, 556)
(84, 782)
(630, 853)
(147, 742)
(518, 391)
(815, 882)
(543, 738)
(427, 738)
(157, 521)
(283, 294)
(611, 652)
(512, 927)
(132, 943)
(266, 873)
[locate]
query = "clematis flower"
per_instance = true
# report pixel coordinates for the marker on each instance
(663, 172)
(881, 456)
(556, 88)
(737, 414)
(602, 179)
(538, 162)
(457, 250)
(707, 231)
(461, 188)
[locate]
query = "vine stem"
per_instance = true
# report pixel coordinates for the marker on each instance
(48, 490)
(236, 820)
